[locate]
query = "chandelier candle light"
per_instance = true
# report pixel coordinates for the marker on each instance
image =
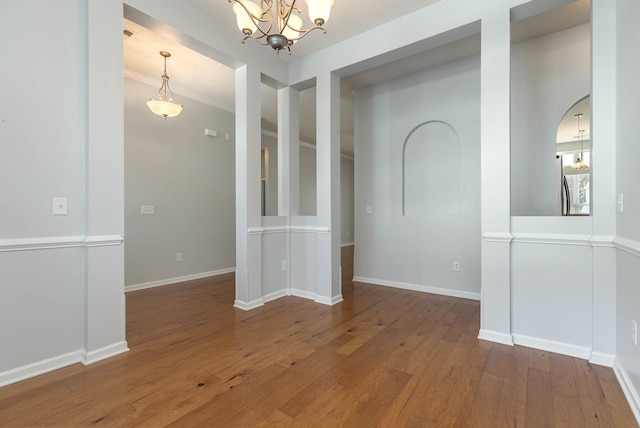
(164, 105)
(274, 23)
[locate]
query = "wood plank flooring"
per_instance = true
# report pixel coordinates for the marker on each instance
(384, 357)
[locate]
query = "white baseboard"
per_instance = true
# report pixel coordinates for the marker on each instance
(247, 306)
(632, 394)
(303, 294)
(497, 337)
(598, 358)
(170, 281)
(275, 296)
(329, 301)
(39, 367)
(552, 346)
(103, 353)
(50, 364)
(347, 244)
(423, 288)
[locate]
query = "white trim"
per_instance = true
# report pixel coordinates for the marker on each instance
(607, 360)
(275, 296)
(630, 392)
(39, 367)
(602, 241)
(47, 243)
(285, 229)
(627, 245)
(247, 306)
(552, 346)
(169, 281)
(552, 238)
(423, 288)
(103, 353)
(303, 294)
(142, 78)
(502, 237)
(497, 337)
(347, 244)
(330, 301)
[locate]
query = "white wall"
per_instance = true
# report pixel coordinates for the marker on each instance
(417, 251)
(628, 226)
(189, 178)
(548, 75)
(346, 200)
(50, 265)
(308, 187)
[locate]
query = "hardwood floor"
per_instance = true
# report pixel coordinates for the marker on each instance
(384, 357)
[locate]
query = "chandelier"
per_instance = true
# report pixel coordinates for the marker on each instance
(273, 23)
(579, 164)
(164, 105)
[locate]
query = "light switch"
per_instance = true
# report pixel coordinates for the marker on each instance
(59, 206)
(620, 202)
(147, 209)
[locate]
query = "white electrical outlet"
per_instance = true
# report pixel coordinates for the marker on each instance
(178, 257)
(456, 266)
(634, 332)
(369, 209)
(59, 206)
(284, 265)
(147, 209)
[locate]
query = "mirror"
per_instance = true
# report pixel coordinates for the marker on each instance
(573, 160)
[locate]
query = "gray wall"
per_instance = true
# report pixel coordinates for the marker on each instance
(628, 177)
(189, 177)
(417, 251)
(42, 155)
(548, 75)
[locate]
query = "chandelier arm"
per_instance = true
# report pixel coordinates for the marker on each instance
(307, 31)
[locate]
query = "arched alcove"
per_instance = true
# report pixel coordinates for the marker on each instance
(431, 170)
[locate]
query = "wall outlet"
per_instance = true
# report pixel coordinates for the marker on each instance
(284, 265)
(456, 266)
(59, 206)
(369, 209)
(178, 257)
(634, 332)
(147, 209)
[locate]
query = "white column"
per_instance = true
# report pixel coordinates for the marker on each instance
(105, 302)
(603, 132)
(328, 285)
(288, 152)
(248, 222)
(495, 175)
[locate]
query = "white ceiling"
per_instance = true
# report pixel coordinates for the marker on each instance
(197, 76)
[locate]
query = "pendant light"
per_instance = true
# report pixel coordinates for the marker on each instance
(163, 105)
(579, 164)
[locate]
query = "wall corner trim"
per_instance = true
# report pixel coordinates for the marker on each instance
(330, 301)
(90, 357)
(504, 237)
(600, 359)
(247, 306)
(633, 395)
(628, 245)
(495, 336)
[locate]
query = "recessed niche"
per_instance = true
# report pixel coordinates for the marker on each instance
(431, 170)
